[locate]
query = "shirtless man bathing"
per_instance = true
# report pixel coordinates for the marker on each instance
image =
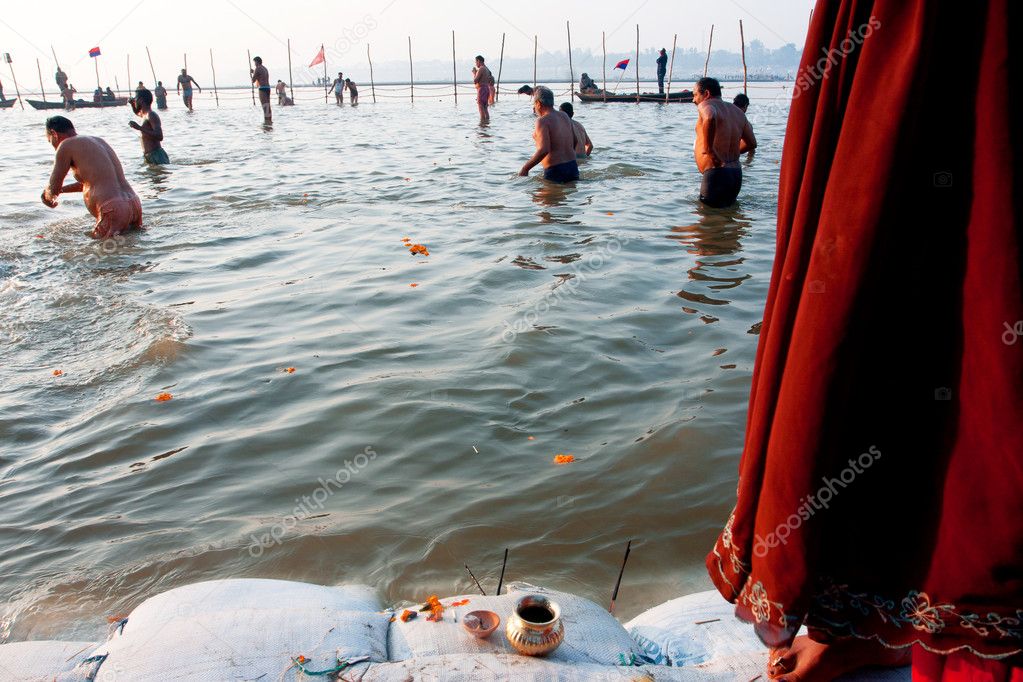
(185, 83)
(151, 128)
(722, 133)
(555, 140)
(99, 177)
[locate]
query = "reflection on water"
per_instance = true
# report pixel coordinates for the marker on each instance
(273, 297)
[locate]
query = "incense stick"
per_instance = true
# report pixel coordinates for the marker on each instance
(475, 581)
(618, 583)
(500, 581)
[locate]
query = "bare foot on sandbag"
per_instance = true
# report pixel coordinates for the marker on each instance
(810, 661)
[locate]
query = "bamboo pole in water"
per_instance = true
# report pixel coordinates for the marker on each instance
(372, 86)
(151, 65)
(671, 68)
(742, 41)
(40, 70)
(500, 66)
(186, 61)
(571, 71)
(17, 92)
(326, 93)
(95, 61)
(291, 79)
(603, 44)
(709, 44)
(535, 44)
(454, 67)
(252, 84)
(216, 95)
(637, 63)
(411, 77)
(128, 60)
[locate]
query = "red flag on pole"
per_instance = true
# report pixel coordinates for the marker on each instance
(319, 58)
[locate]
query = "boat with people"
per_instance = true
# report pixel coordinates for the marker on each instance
(79, 104)
(680, 96)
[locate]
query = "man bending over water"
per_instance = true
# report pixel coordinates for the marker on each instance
(151, 128)
(555, 140)
(99, 177)
(721, 128)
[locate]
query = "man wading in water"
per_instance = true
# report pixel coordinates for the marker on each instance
(720, 129)
(99, 177)
(555, 140)
(151, 128)
(261, 77)
(185, 83)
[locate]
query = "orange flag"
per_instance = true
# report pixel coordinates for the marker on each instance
(319, 58)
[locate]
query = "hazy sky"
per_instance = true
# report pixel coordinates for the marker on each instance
(171, 29)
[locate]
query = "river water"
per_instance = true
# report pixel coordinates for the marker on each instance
(615, 321)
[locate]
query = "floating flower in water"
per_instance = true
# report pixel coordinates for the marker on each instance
(408, 179)
(413, 285)
(163, 397)
(58, 372)
(405, 239)
(610, 212)
(289, 370)
(530, 438)
(39, 236)
(563, 459)
(418, 248)
(301, 659)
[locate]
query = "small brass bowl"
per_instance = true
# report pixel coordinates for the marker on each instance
(481, 624)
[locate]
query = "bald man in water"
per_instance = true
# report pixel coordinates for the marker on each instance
(722, 132)
(99, 177)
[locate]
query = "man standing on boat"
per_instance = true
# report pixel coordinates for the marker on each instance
(662, 70)
(99, 177)
(61, 79)
(261, 78)
(555, 140)
(185, 83)
(721, 130)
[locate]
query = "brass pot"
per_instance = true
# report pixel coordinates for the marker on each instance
(535, 627)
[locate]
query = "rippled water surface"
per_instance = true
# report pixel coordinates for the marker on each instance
(615, 320)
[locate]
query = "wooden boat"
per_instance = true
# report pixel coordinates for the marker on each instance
(79, 104)
(8, 103)
(681, 96)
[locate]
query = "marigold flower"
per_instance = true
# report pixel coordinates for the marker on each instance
(163, 397)
(563, 459)
(58, 372)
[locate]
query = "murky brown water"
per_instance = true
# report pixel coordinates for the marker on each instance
(615, 321)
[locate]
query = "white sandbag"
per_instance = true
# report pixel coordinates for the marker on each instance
(592, 635)
(244, 644)
(23, 661)
(200, 599)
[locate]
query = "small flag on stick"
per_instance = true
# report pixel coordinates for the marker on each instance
(624, 64)
(94, 52)
(318, 59)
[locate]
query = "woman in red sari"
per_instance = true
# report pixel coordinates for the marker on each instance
(880, 497)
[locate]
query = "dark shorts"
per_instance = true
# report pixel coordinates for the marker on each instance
(264, 94)
(157, 157)
(563, 172)
(720, 186)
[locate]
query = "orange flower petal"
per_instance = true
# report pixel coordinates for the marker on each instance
(163, 397)
(58, 372)
(530, 438)
(610, 212)
(289, 370)
(563, 459)
(413, 285)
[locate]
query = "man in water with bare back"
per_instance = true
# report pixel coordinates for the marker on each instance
(583, 143)
(721, 131)
(151, 128)
(185, 88)
(483, 79)
(555, 140)
(99, 177)
(261, 78)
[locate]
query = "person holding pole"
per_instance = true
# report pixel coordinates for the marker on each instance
(261, 79)
(185, 87)
(483, 80)
(662, 70)
(61, 78)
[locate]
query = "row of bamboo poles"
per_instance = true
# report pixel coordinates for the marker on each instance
(412, 90)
